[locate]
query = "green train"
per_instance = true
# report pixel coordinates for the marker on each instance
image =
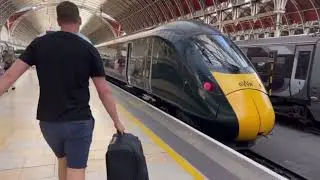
(200, 72)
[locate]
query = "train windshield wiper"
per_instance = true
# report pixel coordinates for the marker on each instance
(209, 56)
(233, 67)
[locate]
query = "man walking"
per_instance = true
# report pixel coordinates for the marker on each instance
(64, 63)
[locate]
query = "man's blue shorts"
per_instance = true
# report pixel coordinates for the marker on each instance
(69, 139)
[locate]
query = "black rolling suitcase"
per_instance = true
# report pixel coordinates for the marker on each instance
(125, 159)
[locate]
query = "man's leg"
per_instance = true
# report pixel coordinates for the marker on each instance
(62, 168)
(76, 174)
(53, 134)
(77, 148)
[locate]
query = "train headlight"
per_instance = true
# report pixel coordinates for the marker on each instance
(208, 86)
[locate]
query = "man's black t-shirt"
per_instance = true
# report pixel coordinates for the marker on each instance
(64, 63)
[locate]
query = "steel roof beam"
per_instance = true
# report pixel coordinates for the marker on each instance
(178, 3)
(163, 12)
(298, 8)
(168, 6)
(94, 12)
(314, 4)
(149, 5)
(153, 16)
(90, 10)
(190, 6)
(147, 14)
(139, 18)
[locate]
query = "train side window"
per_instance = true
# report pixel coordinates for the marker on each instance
(302, 65)
(121, 58)
(259, 56)
(148, 56)
(108, 54)
(138, 54)
(284, 63)
(166, 59)
(114, 57)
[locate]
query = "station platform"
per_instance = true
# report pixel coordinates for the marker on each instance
(173, 150)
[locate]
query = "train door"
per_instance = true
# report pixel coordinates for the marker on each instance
(300, 68)
(127, 63)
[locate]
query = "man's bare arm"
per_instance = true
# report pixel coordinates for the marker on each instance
(12, 74)
(107, 100)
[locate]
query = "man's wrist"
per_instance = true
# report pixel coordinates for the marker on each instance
(116, 121)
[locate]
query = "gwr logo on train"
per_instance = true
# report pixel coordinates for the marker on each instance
(245, 84)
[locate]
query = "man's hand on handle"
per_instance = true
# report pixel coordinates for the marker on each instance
(119, 126)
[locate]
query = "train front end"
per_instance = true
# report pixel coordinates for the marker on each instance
(250, 103)
(245, 103)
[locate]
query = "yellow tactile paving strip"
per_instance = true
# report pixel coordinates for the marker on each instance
(24, 155)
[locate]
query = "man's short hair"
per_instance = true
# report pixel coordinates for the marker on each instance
(68, 12)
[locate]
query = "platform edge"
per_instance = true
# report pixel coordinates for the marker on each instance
(174, 155)
(230, 150)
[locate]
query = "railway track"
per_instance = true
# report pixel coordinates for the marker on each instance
(250, 154)
(313, 128)
(273, 166)
(315, 131)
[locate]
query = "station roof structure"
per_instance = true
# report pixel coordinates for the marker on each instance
(106, 19)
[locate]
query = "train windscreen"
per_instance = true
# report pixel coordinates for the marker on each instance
(221, 54)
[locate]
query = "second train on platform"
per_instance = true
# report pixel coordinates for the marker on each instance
(198, 71)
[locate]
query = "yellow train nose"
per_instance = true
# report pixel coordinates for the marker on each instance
(254, 113)
(250, 102)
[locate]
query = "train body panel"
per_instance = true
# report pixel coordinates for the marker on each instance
(175, 63)
(235, 82)
(314, 81)
(295, 84)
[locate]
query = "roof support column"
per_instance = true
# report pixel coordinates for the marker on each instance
(266, 34)
(206, 19)
(235, 13)
(279, 7)
(246, 37)
(306, 30)
(278, 25)
(220, 20)
(291, 32)
(4, 33)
